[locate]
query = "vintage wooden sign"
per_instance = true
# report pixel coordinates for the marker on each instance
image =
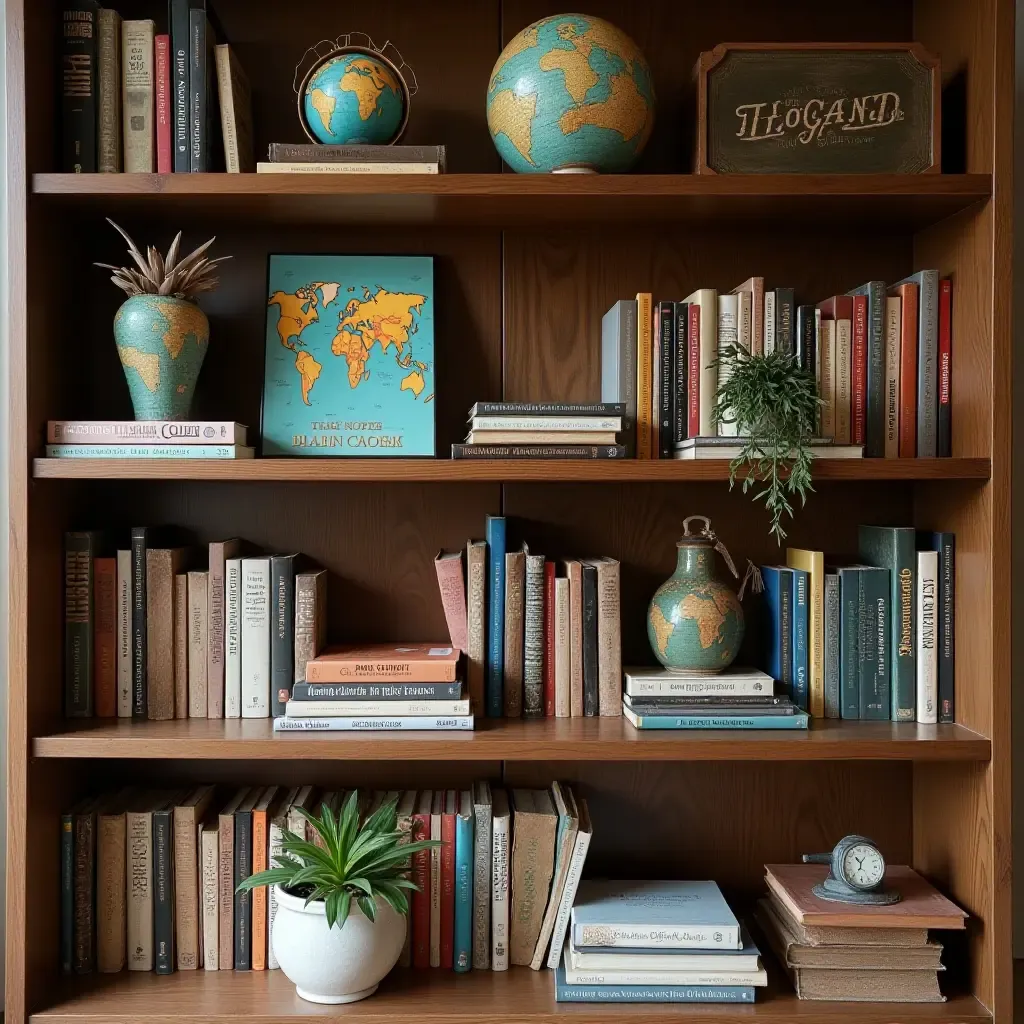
(817, 108)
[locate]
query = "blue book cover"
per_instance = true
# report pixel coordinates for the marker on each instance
(464, 842)
(653, 914)
(849, 643)
(349, 366)
(494, 686)
(801, 657)
(831, 641)
(874, 440)
(566, 993)
(797, 720)
(778, 632)
(875, 626)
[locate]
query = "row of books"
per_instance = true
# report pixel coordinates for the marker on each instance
(141, 100)
(146, 439)
(882, 357)
(543, 430)
(498, 891)
(159, 631)
(542, 638)
(872, 639)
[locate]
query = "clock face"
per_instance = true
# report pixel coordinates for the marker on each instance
(863, 866)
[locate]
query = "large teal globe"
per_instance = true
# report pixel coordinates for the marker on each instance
(354, 99)
(570, 92)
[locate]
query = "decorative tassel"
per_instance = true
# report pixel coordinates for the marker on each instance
(754, 578)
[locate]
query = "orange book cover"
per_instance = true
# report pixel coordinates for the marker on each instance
(105, 644)
(260, 850)
(921, 904)
(909, 293)
(386, 663)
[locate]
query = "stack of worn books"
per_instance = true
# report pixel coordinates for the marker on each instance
(738, 698)
(842, 951)
(543, 430)
(405, 687)
(656, 942)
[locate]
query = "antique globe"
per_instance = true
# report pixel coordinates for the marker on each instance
(570, 93)
(354, 97)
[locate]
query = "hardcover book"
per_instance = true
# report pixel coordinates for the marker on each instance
(79, 553)
(945, 596)
(515, 590)
(108, 134)
(565, 841)
(139, 857)
(482, 841)
(462, 957)
(79, 37)
(533, 638)
(451, 583)
(574, 872)
(618, 364)
(568, 993)
(310, 621)
(476, 621)
(610, 959)
(419, 899)
(282, 631)
(111, 875)
(162, 566)
(105, 637)
(927, 282)
(382, 663)
(138, 98)
(500, 890)
(494, 684)
(349, 356)
(220, 553)
(534, 825)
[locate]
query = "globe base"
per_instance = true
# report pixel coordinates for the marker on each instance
(574, 170)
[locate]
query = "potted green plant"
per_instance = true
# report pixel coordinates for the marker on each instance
(342, 905)
(774, 404)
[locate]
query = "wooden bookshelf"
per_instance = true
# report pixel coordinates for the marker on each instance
(525, 267)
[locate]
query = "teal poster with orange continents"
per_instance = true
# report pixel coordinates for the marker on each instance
(350, 356)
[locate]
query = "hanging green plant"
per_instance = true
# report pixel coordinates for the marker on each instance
(774, 404)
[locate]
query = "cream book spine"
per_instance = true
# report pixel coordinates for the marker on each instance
(233, 638)
(565, 841)
(769, 322)
(220, 552)
(346, 168)
(500, 857)
(728, 341)
(572, 882)
(574, 573)
(209, 853)
(827, 349)
(893, 330)
(609, 638)
(482, 840)
(137, 97)
(139, 826)
(198, 637)
(124, 634)
(187, 817)
(255, 637)
(707, 300)
(476, 621)
(844, 352)
(563, 669)
(927, 648)
(181, 645)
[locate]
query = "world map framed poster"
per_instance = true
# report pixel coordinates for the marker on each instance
(349, 356)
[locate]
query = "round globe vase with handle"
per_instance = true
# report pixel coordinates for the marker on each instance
(695, 620)
(162, 343)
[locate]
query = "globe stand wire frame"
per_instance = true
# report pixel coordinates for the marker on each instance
(328, 49)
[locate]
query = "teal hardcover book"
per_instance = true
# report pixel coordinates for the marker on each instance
(464, 843)
(566, 993)
(797, 720)
(349, 356)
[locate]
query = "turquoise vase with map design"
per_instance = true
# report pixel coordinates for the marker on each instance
(695, 620)
(161, 342)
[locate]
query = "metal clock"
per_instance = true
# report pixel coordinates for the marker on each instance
(856, 874)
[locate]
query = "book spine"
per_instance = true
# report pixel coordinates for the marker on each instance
(476, 623)
(108, 74)
(501, 848)
(78, 432)
(342, 693)
(186, 889)
(210, 897)
(644, 375)
(84, 954)
(927, 364)
(565, 993)
(666, 378)
(657, 936)
(124, 634)
(562, 656)
(163, 891)
(849, 663)
(893, 318)
(482, 839)
(462, 957)
(67, 893)
(420, 898)
(228, 119)
(105, 637)
(285, 152)
(609, 640)
(946, 597)
(137, 98)
(572, 881)
(198, 643)
(453, 599)
(179, 84)
(147, 450)
(785, 321)
(181, 645)
(859, 371)
(708, 359)
(140, 891)
(831, 640)
(631, 977)
(943, 423)
(875, 700)
(769, 322)
(615, 407)
(533, 638)
(78, 625)
(162, 54)
(233, 638)
(591, 692)
(800, 626)
(728, 342)
(226, 892)
(549, 639)
(282, 641)
(495, 615)
(707, 688)
(255, 633)
(806, 338)
(575, 577)
(78, 85)
(242, 911)
(375, 723)
(111, 894)
(353, 167)
(259, 907)
(197, 57)
(785, 638)
(539, 451)
(215, 632)
(844, 382)
(435, 886)
(693, 370)
(515, 587)
(875, 399)
(360, 708)
(909, 296)
(420, 670)
(549, 424)
(903, 682)
(680, 364)
(690, 722)
(827, 358)
(310, 598)
(927, 647)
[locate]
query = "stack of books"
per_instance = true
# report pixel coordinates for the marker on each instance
(870, 640)
(185, 852)
(656, 942)
(380, 687)
(146, 439)
(840, 951)
(309, 158)
(543, 430)
(881, 354)
(738, 698)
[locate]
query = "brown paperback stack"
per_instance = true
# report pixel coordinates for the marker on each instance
(840, 951)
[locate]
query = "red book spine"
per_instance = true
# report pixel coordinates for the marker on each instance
(421, 899)
(945, 444)
(448, 885)
(162, 50)
(908, 371)
(549, 639)
(693, 374)
(105, 641)
(858, 417)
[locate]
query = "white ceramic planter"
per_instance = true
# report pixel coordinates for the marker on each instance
(335, 965)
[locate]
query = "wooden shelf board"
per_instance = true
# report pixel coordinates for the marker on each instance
(592, 739)
(855, 200)
(518, 996)
(489, 470)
